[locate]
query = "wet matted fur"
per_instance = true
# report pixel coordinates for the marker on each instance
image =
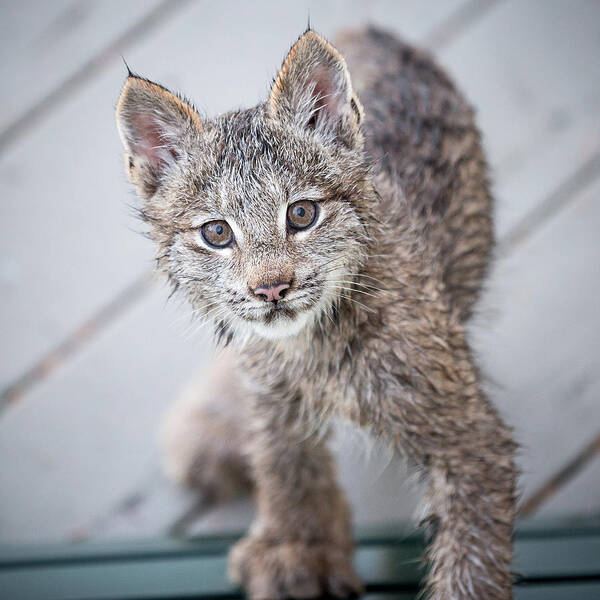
(386, 152)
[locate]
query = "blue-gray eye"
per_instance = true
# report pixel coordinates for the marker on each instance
(217, 234)
(302, 214)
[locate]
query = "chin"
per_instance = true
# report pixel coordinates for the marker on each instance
(282, 327)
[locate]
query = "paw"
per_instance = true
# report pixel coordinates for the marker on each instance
(271, 571)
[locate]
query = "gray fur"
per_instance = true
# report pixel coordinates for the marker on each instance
(372, 327)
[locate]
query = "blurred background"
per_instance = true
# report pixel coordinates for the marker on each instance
(91, 352)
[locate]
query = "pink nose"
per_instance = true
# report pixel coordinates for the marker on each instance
(273, 292)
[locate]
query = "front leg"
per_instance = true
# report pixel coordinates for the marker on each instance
(435, 411)
(300, 544)
(470, 505)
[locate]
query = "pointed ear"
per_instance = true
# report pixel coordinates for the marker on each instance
(313, 90)
(156, 128)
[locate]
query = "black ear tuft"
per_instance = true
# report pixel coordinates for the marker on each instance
(129, 71)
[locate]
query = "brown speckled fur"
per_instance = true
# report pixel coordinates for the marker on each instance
(387, 277)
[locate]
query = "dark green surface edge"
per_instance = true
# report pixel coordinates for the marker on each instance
(552, 560)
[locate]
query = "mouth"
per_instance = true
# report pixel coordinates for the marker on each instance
(281, 310)
(284, 317)
(280, 319)
(278, 312)
(281, 322)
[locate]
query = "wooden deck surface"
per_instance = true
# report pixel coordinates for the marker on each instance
(91, 351)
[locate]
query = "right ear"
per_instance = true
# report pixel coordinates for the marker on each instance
(313, 90)
(156, 128)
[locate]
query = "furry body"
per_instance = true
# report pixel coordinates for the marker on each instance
(374, 326)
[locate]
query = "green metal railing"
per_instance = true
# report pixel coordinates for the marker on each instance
(552, 561)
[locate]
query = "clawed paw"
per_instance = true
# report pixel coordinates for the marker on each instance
(271, 571)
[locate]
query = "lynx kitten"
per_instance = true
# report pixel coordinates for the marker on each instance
(336, 235)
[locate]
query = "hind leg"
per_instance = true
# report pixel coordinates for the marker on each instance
(203, 436)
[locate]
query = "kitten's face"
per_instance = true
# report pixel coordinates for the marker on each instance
(257, 213)
(274, 208)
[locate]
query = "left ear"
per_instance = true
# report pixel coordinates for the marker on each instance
(157, 128)
(313, 90)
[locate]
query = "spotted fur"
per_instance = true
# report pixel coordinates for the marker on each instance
(372, 327)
